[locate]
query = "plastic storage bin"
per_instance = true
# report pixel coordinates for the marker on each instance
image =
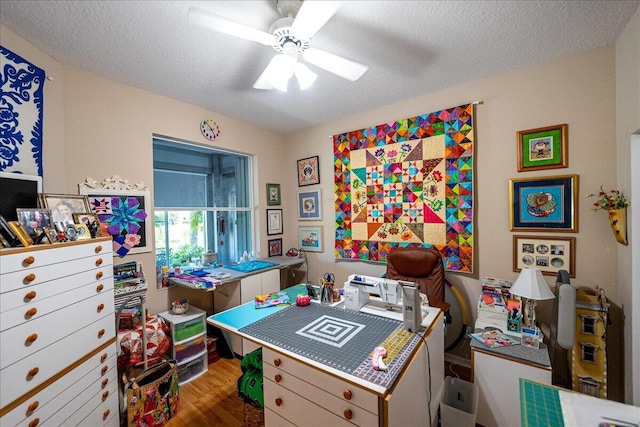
(459, 403)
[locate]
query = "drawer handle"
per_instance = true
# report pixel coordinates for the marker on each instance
(33, 371)
(103, 357)
(31, 312)
(105, 414)
(277, 362)
(99, 262)
(101, 333)
(278, 401)
(100, 287)
(33, 406)
(99, 275)
(105, 395)
(98, 249)
(29, 278)
(34, 422)
(28, 260)
(278, 378)
(347, 394)
(100, 307)
(30, 295)
(105, 382)
(348, 414)
(104, 370)
(31, 338)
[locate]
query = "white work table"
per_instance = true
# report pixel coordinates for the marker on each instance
(301, 389)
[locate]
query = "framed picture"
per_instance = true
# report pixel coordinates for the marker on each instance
(549, 254)
(63, 206)
(546, 203)
(275, 247)
(21, 233)
(273, 194)
(309, 205)
(542, 148)
(121, 213)
(34, 219)
(51, 234)
(310, 238)
(308, 172)
(91, 220)
(274, 221)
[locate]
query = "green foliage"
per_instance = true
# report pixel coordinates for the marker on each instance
(184, 254)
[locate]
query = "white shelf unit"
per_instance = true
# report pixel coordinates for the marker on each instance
(188, 342)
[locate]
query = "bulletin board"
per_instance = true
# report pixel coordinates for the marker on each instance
(407, 183)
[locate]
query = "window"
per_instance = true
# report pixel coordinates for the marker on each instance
(589, 352)
(202, 199)
(588, 324)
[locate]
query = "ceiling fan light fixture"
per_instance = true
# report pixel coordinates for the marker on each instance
(304, 75)
(279, 71)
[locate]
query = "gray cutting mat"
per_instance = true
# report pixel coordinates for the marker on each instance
(341, 339)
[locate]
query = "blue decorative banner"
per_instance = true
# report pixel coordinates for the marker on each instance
(21, 93)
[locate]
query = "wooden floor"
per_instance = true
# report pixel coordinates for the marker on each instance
(212, 399)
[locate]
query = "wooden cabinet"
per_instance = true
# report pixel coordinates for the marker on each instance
(188, 342)
(57, 335)
(497, 376)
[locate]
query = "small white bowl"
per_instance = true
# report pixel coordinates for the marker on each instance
(180, 307)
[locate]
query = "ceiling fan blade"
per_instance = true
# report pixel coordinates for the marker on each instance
(343, 67)
(312, 16)
(222, 25)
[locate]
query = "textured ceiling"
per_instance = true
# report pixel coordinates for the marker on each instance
(412, 48)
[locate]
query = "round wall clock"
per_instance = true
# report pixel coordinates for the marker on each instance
(210, 129)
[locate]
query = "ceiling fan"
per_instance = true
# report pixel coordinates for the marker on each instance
(290, 36)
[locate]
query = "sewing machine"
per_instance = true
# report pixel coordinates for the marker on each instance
(360, 295)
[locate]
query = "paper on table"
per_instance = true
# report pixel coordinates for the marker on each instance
(582, 410)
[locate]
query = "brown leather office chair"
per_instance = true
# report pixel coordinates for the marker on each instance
(423, 266)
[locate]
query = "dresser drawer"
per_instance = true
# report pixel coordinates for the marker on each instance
(74, 411)
(32, 336)
(53, 359)
(99, 266)
(338, 405)
(272, 419)
(50, 400)
(44, 290)
(333, 385)
(40, 306)
(106, 415)
(38, 256)
(299, 410)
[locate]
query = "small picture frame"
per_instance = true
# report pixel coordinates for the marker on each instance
(51, 234)
(21, 233)
(544, 203)
(7, 233)
(530, 337)
(275, 247)
(310, 238)
(33, 219)
(308, 171)
(83, 232)
(549, 254)
(91, 220)
(274, 221)
(273, 195)
(309, 205)
(542, 148)
(63, 206)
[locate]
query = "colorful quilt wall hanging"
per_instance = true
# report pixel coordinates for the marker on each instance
(407, 183)
(21, 92)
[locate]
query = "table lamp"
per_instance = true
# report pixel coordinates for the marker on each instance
(531, 285)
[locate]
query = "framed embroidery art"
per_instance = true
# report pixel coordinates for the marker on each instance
(544, 203)
(310, 238)
(308, 173)
(274, 221)
(273, 194)
(275, 247)
(309, 205)
(549, 254)
(542, 148)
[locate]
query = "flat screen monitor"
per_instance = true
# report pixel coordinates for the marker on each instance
(18, 191)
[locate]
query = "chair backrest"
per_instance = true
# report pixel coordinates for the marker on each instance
(423, 266)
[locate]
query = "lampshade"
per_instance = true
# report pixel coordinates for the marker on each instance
(530, 284)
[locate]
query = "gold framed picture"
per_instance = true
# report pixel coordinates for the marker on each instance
(21, 233)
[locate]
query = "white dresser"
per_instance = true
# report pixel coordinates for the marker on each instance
(57, 335)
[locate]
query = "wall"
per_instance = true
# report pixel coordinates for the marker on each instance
(628, 123)
(97, 128)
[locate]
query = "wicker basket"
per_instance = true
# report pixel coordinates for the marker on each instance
(253, 415)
